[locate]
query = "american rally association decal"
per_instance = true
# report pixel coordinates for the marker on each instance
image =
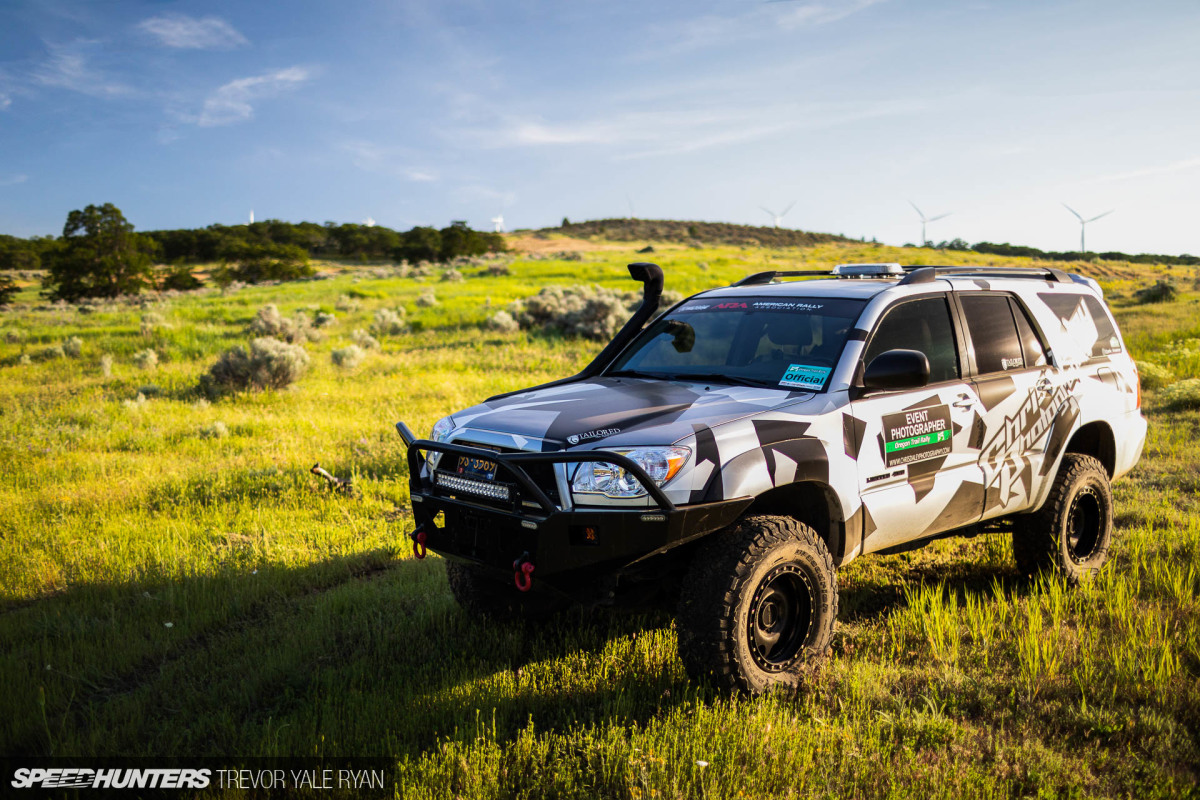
(916, 435)
(802, 376)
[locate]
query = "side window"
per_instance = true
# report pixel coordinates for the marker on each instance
(1035, 353)
(922, 325)
(993, 332)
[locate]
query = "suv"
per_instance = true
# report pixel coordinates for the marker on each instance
(733, 452)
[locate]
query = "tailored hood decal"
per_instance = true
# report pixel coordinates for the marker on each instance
(619, 408)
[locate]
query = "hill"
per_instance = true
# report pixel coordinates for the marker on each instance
(713, 233)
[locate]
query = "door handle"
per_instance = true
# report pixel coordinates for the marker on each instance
(964, 401)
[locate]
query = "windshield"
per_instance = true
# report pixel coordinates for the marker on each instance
(787, 343)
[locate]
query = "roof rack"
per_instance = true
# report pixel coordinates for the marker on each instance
(920, 274)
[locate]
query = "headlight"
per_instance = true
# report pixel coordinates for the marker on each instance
(441, 431)
(599, 477)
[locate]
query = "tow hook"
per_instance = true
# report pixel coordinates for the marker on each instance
(418, 537)
(523, 573)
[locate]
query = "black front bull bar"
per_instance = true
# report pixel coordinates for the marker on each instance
(557, 541)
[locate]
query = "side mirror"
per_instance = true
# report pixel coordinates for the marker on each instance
(897, 369)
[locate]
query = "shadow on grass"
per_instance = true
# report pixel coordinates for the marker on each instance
(363, 655)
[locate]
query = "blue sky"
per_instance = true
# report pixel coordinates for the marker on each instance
(185, 114)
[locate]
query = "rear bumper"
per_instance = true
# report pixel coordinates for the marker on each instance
(528, 526)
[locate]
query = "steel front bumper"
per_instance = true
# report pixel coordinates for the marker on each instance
(512, 521)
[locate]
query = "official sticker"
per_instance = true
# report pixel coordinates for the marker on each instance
(916, 435)
(802, 376)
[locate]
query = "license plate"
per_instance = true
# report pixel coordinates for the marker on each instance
(477, 468)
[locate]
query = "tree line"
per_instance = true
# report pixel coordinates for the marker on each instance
(100, 255)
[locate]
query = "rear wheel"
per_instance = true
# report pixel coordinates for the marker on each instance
(482, 594)
(758, 606)
(1071, 533)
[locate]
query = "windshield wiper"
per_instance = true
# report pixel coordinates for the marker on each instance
(633, 373)
(709, 377)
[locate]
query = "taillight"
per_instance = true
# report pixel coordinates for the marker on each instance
(1137, 378)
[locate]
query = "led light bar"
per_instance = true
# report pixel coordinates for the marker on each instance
(456, 483)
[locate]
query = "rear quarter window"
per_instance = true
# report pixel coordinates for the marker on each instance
(1085, 326)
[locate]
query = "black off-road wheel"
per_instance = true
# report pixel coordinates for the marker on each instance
(1071, 533)
(759, 604)
(482, 594)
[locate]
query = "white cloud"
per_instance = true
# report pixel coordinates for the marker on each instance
(5, 101)
(13, 180)
(68, 68)
(232, 102)
(1165, 169)
(371, 157)
(193, 33)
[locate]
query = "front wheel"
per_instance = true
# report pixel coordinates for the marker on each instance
(758, 606)
(1071, 533)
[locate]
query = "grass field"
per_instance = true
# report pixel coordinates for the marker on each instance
(170, 586)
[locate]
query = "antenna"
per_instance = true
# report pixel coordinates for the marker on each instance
(926, 220)
(498, 222)
(1083, 225)
(778, 218)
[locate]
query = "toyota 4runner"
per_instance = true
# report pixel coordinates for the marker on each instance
(734, 451)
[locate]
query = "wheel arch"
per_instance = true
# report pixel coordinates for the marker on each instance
(1095, 439)
(812, 502)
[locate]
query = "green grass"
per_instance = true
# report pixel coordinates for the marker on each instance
(167, 591)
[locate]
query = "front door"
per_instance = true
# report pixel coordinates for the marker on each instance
(918, 450)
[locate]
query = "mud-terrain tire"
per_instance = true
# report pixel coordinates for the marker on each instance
(481, 594)
(758, 606)
(1072, 531)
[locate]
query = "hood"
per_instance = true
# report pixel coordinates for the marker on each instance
(618, 411)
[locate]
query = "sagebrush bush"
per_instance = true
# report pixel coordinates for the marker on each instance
(14, 337)
(267, 364)
(323, 319)
(590, 311)
(54, 351)
(1182, 394)
(364, 340)
(214, 430)
(497, 270)
(1163, 291)
(73, 346)
(348, 357)
(106, 362)
(296, 330)
(389, 323)
(1154, 376)
(452, 276)
(136, 404)
(145, 359)
(24, 360)
(347, 303)
(502, 322)
(152, 322)
(427, 299)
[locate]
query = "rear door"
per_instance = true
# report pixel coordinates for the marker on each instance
(918, 471)
(1019, 393)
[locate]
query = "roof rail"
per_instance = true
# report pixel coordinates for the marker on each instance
(759, 278)
(919, 274)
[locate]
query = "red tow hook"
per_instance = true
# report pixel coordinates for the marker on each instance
(419, 549)
(523, 574)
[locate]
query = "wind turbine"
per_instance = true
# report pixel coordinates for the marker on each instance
(926, 220)
(1083, 224)
(252, 216)
(498, 222)
(629, 200)
(778, 217)
(369, 222)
